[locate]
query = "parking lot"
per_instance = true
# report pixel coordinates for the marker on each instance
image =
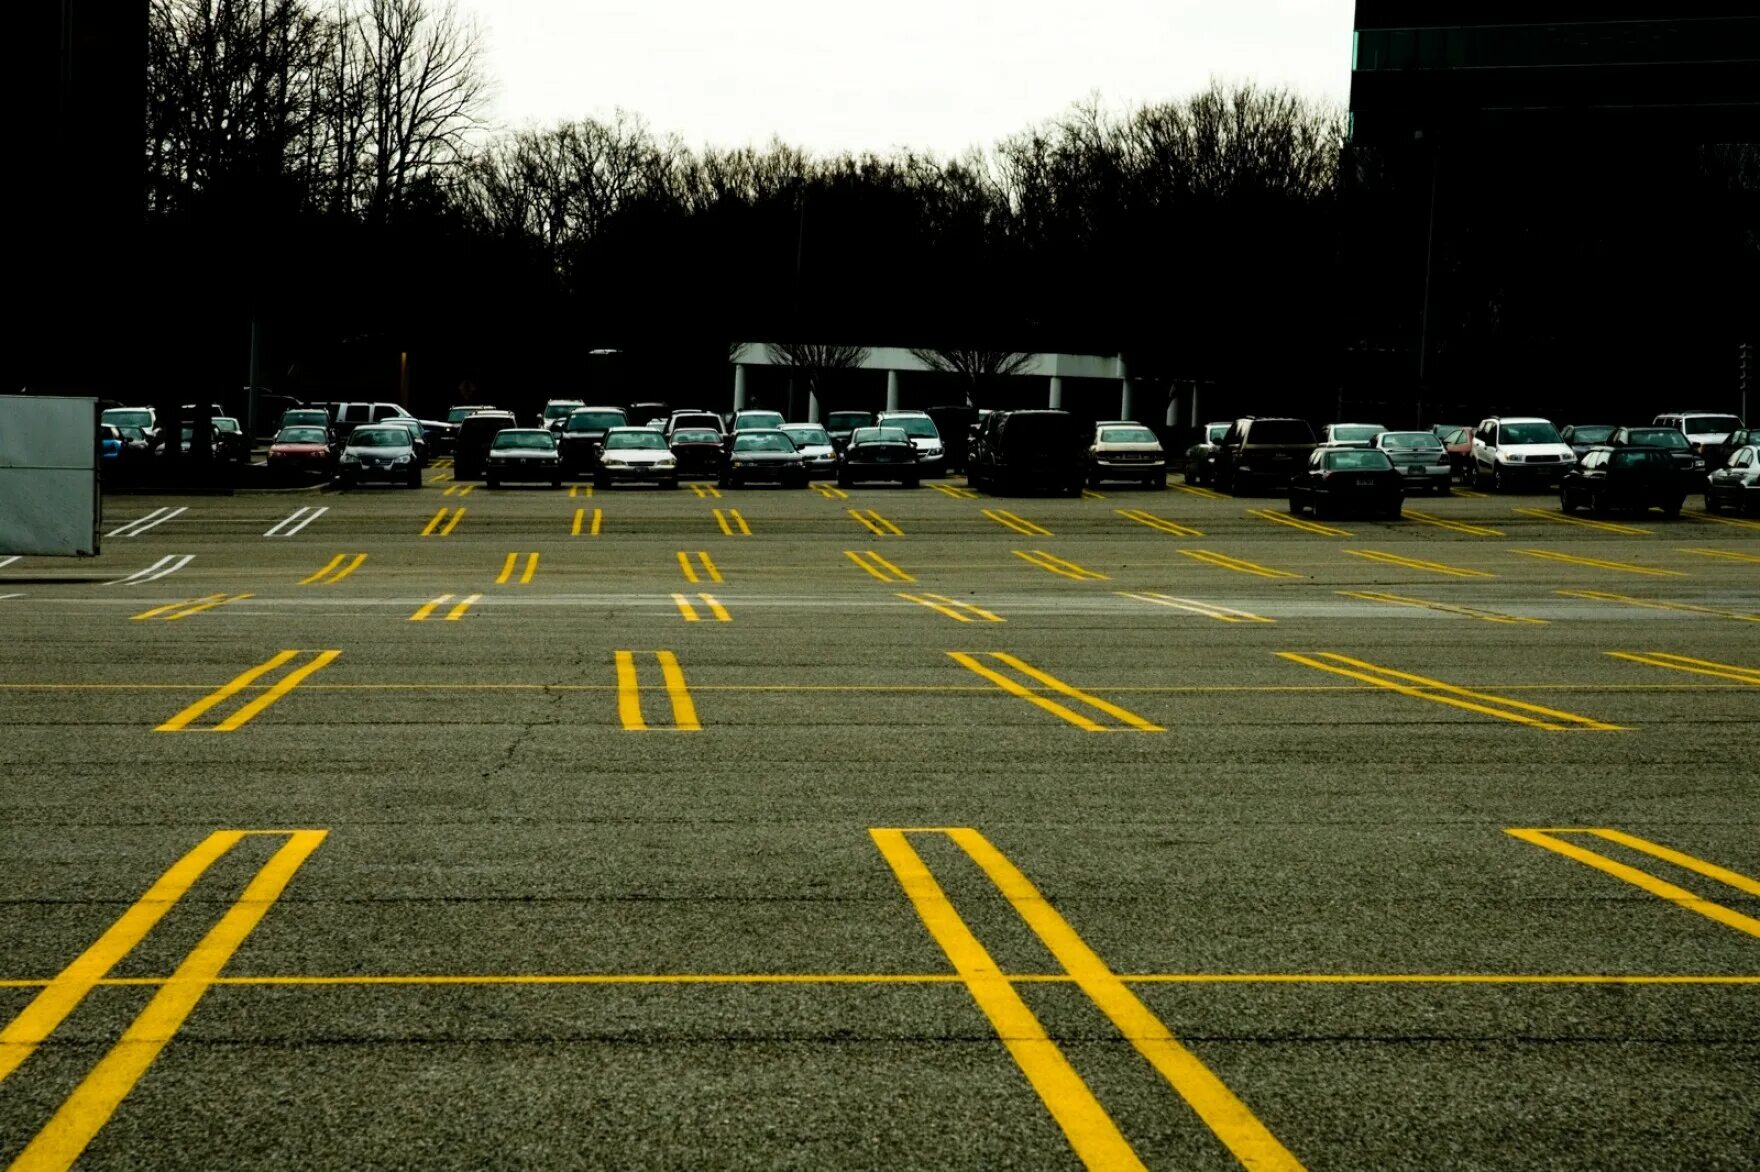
(463, 828)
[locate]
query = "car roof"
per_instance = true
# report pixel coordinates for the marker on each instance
(524, 431)
(1516, 419)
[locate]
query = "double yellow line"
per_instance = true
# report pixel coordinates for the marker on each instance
(709, 569)
(443, 523)
(459, 490)
(1452, 526)
(1437, 692)
(1142, 517)
(511, 564)
(731, 523)
(1466, 612)
(1724, 554)
(1562, 518)
(1599, 563)
(458, 611)
(829, 493)
(1126, 720)
(1059, 566)
(1224, 562)
(1203, 493)
(705, 491)
(1209, 610)
(247, 679)
(1549, 839)
(1084, 1120)
(1733, 672)
(1658, 604)
(182, 610)
(877, 566)
(334, 570)
(629, 694)
(687, 610)
(1019, 524)
(1305, 526)
(92, 1103)
(954, 491)
(876, 524)
(1405, 563)
(963, 612)
(580, 522)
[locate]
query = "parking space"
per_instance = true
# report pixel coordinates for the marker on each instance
(459, 827)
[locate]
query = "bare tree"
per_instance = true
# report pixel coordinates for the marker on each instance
(979, 368)
(817, 361)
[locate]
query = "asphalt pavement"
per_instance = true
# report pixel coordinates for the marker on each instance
(522, 828)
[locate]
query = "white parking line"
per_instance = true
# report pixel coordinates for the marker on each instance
(4, 562)
(163, 568)
(141, 524)
(299, 520)
(4, 597)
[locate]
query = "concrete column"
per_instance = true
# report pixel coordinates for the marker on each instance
(1196, 421)
(1126, 399)
(892, 390)
(739, 386)
(812, 407)
(1055, 402)
(1172, 409)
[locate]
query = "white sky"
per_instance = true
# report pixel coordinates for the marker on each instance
(833, 75)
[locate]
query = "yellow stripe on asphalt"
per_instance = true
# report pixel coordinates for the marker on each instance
(1125, 717)
(876, 524)
(1298, 523)
(1197, 491)
(1563, 518)
(1658, 604)
(1059, 566)
(1143, 517)
(1192, 606)
(1715, 519)
(1019, 524)
(963, 612)
(1643, 880)
(954, 491)
(1725, 554)
(1394, 559)
(1686, 663)
(1452, 526)
(1224, 562)
(877, 566)
(1437, 692)
(1600, 563)
(732, 524)
(1467, 612)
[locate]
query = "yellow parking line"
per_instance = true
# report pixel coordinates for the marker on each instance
(1600, 563)
(507, 569)
(428, 608)
(320, 575)
(1019, 524)
(1452, 526)
(525, 579)
(1059, 566)
(1014, 688)
(1435, 691)
(459, 490)
(709, 569)
(1089, 494)
(877, 566)
(1643, 880)
(1686, 663)
(1298, 523)
(1394, 559)
(220, 695)
(1195, 490)
(732, 524)
(1193, 606)
(1224, 562)
(715, 608)
(1142, 517)
(954, 491)
(1725, 554)
(1658, 604)
(829, 493)
(145, 615)
(629, 694)
(282, 687)
(359, 560)
(960, 612)
(580, 490)
(1467, 492)
(1715, 519)
(434, 522)
(876, 524)
(207, 604)
(1468, 612)
(705, 491)
(684, 711)
(462, 607)
(580, 523)
(1563, 518)
(686, 611)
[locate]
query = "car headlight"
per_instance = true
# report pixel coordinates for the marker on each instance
(1509, 457)
(739, 463)
(613, 461)
(350, 458)
(403, 459)
(1698, 465)
(666, 462)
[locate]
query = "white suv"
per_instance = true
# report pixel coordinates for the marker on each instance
(1706, 431)
(1518, 451)
(924, 436)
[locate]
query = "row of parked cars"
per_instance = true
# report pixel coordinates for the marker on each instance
(1590, 465)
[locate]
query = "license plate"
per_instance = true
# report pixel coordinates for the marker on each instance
(1366, 481)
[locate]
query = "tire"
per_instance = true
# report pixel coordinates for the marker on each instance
(491, 482)
(1294, 509)
(556, 482)
(1159, 484)
(1470, 475)
(1566, 505)
(913, 482)
(601, 482)
(1672, 508)
(1596, 504)
(414, 481)
(670, 484)
(843, 481)
(1711, 504)
(1496, 484)
(1396, 513)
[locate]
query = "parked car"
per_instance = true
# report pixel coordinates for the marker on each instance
(1623, 478)
(697, 450)
(556, 413)
(1420, 458)
(635, 454)
(953, 422)
(1021, 451)
(925, 437)
(1736, 485)
(1441, 430)
(1200, 465)
(1518, 451)
(1707, 432)
(346, 416)
(1458, 443)
(444, 436)
(110, 445)
(373, 452)
(756, 421)
(522, 453)
(839, 424)
(418, 436)
(1686, 461)
(762, 454)
(301, 451)
(649, 411)
(1348, 479)
(308, 417)
(878, 453)
(693, 421)
(1257, 452)
(814, 445)
(583, 434)
(475, 435)
(1746, 437)
(231, 444)
(1349, 435)
(1583, 436)
(144, 418)
(1129, 452)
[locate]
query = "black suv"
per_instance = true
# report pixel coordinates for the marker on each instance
(475, 435)
(1628, 477)
(1018, 451)
(583, 434)
(1262, 451)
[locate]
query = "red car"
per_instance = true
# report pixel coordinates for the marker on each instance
(300, 452)
(1459, 442)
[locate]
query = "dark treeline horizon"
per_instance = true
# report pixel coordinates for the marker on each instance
(325, 169)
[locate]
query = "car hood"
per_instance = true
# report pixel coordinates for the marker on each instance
(1561, 450)
(765, 457)
(522, 453)
(1105, 448)
(639, 455)
(301, 449)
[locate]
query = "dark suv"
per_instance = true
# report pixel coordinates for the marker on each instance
(475, 435)
(583, 434)
(1262, 452)
(1018, 451)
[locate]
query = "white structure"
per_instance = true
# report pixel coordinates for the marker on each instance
(893, 359)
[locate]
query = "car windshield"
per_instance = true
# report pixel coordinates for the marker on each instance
(381, 437)
(771, 441)
(1352, 432)
(560, 410)
(696, 435)
(878, 435)
(128, 418)
(642, 439)
(1658, 437)
(1591, 435)
(808, 435)
(1631, 459)
(596, 420)
(1410, 441)
(1127, 435)
(1367, 460)
(525, 439)
(696, 419)
(1216, 432)
(226, 424)
(311, 418)
(301, 435)
(130, 432)
(916, 426)
(1530, 433)
(1707, 424)
(849, 420)
(460, 414)
(749, 419)
(1279, 431)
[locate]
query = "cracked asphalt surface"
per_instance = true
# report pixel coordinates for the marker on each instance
(604, 877)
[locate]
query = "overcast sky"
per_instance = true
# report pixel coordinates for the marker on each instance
(833, 75)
